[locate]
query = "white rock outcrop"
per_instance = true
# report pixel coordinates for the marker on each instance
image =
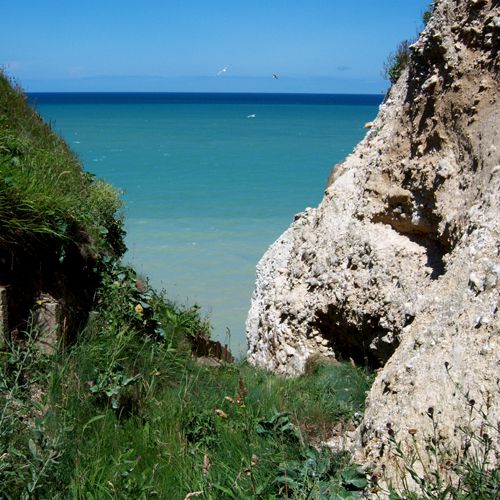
(399, 265)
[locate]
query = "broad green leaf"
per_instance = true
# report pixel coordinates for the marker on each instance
(354, 476)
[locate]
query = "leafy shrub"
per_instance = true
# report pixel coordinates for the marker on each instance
(200, 428)
(426, 16)
(322, 474)
(397, 61)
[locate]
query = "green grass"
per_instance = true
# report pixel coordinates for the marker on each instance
(230, 432)
(43, 191)
(127, 413)
(397, 61)
(186, 435)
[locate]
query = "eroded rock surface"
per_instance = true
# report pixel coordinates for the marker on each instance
(399, 265)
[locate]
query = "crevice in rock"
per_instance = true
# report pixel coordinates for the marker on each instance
(434, 252)
(419, 225)
(350, 341)
(434, 249)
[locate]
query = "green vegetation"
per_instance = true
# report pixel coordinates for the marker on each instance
(397, 61)
(426, 16)
(438, 472)
(43, 191)
(128, 413)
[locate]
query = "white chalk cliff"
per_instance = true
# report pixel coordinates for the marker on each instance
(399, 266)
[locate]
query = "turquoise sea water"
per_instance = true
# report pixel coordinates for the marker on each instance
(209, 180)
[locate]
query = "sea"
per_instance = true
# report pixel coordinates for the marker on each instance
(209, 180)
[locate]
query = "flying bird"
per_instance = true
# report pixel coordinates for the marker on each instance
(223, 70)
(275, 76)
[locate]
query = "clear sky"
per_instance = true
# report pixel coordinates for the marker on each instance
(325, 46)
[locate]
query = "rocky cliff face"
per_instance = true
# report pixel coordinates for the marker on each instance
(399, 265)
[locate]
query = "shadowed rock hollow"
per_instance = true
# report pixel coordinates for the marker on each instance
(398, 267)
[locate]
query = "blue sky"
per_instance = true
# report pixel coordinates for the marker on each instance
(330, 46)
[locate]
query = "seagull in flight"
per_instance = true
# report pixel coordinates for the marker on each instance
(223, 70)
(275, 76)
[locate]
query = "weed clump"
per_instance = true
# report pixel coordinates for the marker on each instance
(432, 469)
(130, 413)
(397, 61)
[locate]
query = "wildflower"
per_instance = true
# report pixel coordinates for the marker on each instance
(139, 309)
(220, 413)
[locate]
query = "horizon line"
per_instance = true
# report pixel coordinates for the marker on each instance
(194, 92)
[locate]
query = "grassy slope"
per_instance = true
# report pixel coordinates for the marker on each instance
(126, 412)
(43, 190)
(129, 413)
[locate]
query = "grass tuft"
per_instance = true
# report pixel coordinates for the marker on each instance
(43, 191)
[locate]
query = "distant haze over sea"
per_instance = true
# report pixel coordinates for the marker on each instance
(210, 180)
